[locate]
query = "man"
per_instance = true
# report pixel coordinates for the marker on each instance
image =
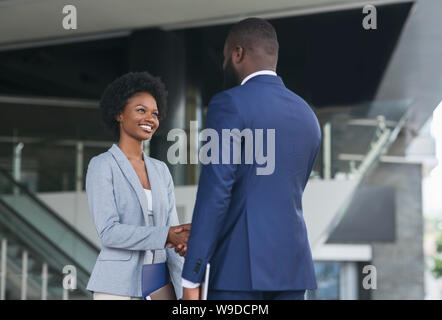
(248, 221)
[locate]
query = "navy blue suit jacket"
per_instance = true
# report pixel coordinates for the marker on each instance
(250, 227)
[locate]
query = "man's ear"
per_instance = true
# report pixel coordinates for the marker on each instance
(238, 54)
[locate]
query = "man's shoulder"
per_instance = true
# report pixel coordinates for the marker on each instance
(258, 91)
(223, 96)
(234, 96)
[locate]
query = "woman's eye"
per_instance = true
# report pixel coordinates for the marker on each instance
(141, 109)
(155, 114)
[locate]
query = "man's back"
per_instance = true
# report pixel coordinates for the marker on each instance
(260, 236)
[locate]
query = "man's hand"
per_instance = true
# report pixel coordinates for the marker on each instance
(191, 293)
(186, 226)
(177, 237)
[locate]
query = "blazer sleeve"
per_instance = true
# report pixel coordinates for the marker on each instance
(214, 190)
(102, 205)
(174, 260)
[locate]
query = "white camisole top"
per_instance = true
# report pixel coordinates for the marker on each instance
(149, 221)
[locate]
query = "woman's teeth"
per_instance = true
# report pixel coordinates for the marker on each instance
(146, 128)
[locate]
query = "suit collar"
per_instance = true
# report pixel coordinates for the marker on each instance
(258, 73)
(265, 78)
(130, 174)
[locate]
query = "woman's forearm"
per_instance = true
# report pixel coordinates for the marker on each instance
(131, 237)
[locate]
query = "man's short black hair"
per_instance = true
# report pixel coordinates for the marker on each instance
(117, 93)
(251, 32)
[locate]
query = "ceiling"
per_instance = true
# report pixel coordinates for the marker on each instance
(27, 21)
(327, 58)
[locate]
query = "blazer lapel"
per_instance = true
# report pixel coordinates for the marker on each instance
(131, 175)
(155, 189)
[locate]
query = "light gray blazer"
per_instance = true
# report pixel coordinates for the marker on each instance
(117, 201)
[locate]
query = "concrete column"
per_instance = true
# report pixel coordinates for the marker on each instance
(400, 265)
(348, 281)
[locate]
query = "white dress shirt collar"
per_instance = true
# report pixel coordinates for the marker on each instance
(258, 73)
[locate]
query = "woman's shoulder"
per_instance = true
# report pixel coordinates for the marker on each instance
(99, 168)
(101, 160)
(159, 165)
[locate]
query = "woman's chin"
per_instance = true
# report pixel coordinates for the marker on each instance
(146, 136)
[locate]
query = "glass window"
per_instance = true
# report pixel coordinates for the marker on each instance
(327, 277)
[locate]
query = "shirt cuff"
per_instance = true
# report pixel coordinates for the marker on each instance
(188, 284)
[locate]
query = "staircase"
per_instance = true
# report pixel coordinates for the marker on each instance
(36, 246)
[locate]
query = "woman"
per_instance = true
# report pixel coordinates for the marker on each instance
(130, 195)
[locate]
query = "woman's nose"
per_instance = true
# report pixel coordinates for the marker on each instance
(149, 117)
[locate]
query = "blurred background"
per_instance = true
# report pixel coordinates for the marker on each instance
(373, 198)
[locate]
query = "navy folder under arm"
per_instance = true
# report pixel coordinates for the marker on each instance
(153, 277)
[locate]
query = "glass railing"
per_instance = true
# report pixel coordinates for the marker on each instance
(360, 135)
(354, 141)
(43, 230)
(50, 166)
(44, 281)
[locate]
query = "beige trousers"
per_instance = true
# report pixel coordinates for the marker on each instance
(108, 296)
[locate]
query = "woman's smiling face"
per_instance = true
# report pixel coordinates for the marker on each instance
(139, 118)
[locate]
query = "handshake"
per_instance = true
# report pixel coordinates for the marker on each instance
(177, 238)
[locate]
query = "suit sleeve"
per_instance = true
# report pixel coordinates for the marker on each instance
(102, 205)
(174, 260)
(314, 155)
(311, 163)
(214, 190)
